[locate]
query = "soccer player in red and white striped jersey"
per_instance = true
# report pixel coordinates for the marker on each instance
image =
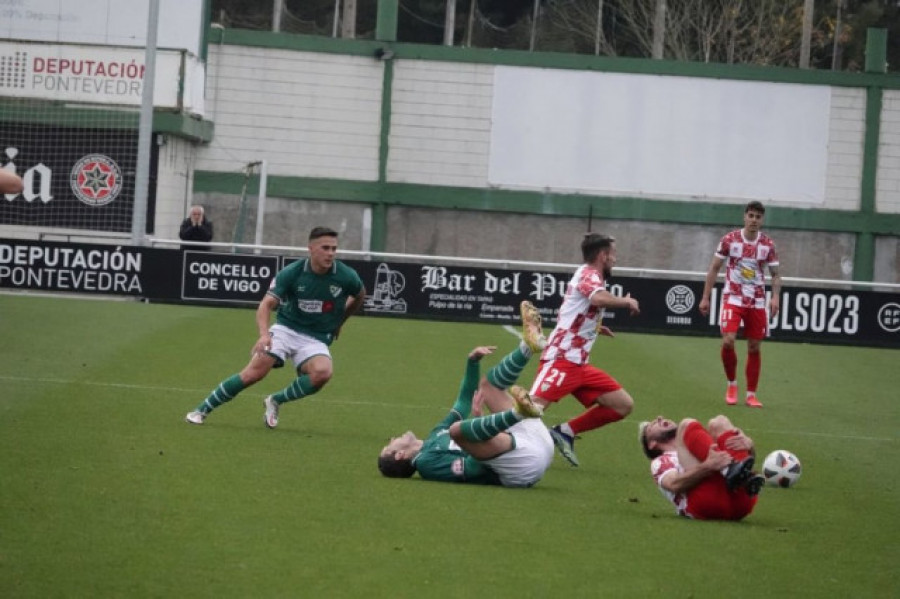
(746, 253)
(564, 365)
(706, 472)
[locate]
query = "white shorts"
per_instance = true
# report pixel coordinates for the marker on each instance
(288, 344)
(525, 465)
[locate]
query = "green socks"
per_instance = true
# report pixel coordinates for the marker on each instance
(486, 427)
(224, 393)
(230, 387)
(301, 387)
(510, 367)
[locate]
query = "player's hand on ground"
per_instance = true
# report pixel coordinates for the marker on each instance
(481, 351)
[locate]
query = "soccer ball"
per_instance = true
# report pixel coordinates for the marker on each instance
(782, 468)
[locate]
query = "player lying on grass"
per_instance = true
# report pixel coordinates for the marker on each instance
(707, 473)
(509, 447)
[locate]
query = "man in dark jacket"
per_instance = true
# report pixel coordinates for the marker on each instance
(196, 227)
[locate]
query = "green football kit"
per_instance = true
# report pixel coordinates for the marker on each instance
(311, 303)
(442, 459)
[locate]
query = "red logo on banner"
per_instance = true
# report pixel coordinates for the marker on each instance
(96, 180)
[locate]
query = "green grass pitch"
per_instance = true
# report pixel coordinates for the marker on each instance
(105, 491)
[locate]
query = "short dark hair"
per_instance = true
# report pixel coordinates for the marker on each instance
(642, 435)
(322, 232)
(756, 206)
(391, 467)
(593, 244)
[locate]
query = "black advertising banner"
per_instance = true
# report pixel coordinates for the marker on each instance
(222, 277)
(87, 269)
(457, 293)
(667, 305)
(74, 177)
(433, 291)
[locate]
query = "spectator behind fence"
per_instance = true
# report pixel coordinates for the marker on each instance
(196, 227)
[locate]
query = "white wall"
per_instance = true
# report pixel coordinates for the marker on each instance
(887, 181)
(103, 22)
(174, 183)
(441, 123)
(846, 133)
(318, 115)
(307, 114)
(652, 136)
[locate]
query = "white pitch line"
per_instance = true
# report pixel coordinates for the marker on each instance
(51, 381)
(512, 330)
(828, 435)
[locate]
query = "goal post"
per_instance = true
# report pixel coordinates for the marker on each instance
(251, 170)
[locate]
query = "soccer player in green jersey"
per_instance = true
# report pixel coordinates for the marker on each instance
(312, 299)
(509, 447)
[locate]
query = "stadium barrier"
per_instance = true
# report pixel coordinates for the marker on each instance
(439, 288)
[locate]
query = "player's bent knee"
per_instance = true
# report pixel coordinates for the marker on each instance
(320, 377)
(718, 425)
(456, 432)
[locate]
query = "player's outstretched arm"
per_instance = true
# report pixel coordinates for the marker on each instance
(681, 482)
(469, 384)
(10, 182)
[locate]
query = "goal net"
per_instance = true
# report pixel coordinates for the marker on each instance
(78, 162)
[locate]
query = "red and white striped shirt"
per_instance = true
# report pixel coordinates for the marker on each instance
(660, 466)
(578, 322)
(745, 282)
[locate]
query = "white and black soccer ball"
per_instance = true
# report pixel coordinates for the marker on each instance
(782, 468)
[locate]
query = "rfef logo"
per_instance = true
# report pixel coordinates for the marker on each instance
(96, 180)
(680, 299)
(889, 317)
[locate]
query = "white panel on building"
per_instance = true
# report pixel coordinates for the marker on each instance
(103, 22)
(659, 135)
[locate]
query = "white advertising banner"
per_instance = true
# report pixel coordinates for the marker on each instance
(97, 75)
(648, 135)
(103, 22)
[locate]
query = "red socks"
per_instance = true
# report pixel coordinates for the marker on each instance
(729, 361)
(593, 418)
(753, 365)
(698, 441)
